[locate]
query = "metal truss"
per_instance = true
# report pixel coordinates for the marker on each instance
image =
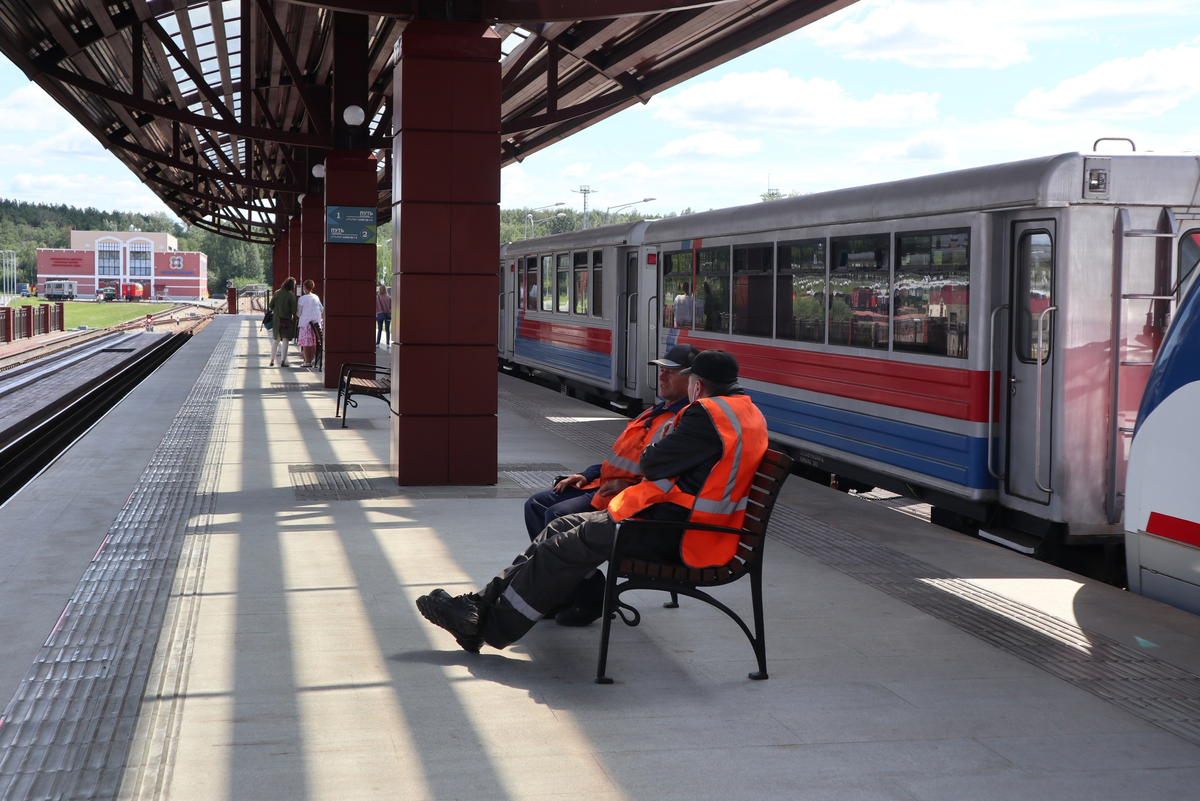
(223, 107)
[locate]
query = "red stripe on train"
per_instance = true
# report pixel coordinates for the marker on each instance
(1174, 528)
(596, 340)
(945, 391)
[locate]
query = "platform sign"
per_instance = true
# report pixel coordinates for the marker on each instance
(350, 224)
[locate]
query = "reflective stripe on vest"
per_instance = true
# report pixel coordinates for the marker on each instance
(722, 501)
(623, 463)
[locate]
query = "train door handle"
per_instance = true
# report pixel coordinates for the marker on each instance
(1012, 387)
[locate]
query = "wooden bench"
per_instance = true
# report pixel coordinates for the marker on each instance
(635, 574)
(358, 378)
(319, 337)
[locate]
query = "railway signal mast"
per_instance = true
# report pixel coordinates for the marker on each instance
(585, 190)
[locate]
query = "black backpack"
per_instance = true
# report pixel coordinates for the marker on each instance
(268, 318)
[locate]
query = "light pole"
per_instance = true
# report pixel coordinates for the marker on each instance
(533, 223)
(529, 217)
(623, 205)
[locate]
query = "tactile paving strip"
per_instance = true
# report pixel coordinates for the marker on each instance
(69, 728)
(331, 482)
(1149, 688)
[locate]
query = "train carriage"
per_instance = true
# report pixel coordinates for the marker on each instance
(978, 339)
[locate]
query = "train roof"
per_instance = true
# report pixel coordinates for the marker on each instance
(622, 234)
(1039, 183)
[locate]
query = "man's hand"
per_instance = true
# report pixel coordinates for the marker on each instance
(614, 486)
(573, 481)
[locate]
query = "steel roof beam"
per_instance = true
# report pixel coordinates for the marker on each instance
(298, 79)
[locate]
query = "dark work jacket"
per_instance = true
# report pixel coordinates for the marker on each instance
(690, 452)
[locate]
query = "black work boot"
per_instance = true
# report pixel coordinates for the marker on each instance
(460, 615)
(580, 615)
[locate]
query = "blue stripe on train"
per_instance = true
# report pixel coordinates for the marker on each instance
(950, 457)
(575, 360)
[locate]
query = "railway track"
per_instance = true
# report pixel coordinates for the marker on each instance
(32, 442)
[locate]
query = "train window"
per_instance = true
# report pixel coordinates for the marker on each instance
(564, 282)
(531, 283)
(859, 291)
(752, 273)
(678, 303)
(139, 258)
(1035, 287)
(581, 282)
(1189, 254)
(800, 291)
(932, 297)
(108, 258)
(712, 289)
(548, 283)
(597, 283)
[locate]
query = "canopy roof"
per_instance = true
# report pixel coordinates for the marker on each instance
(161, 84)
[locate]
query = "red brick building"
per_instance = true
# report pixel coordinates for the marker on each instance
(97, 259)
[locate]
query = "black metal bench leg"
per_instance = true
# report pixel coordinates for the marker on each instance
(606, 616)
(673, 603)
(760, 642)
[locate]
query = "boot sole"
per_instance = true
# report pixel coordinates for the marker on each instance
(465, 630)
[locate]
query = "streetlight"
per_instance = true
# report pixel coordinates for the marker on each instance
(532, 223)
(529, 217)
(623, 205)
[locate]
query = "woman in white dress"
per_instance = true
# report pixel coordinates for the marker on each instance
(310, 310)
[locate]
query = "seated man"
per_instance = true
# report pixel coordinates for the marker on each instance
(593, 488)
(701, 471)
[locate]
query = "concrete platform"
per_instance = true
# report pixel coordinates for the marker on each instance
(906, 661)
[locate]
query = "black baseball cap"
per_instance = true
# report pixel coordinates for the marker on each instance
(716, 366)
(678, 356)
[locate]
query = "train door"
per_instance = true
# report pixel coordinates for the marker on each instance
(629, 321)
(1031, 362)
(501, 343)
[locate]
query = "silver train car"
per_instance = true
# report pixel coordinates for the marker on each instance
(978, 339)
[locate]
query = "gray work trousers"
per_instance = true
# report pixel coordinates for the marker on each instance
(565, 553)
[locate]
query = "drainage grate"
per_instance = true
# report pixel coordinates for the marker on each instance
(533, 480)
(331, 482)
(908, 506)
(1149, 688)
(68, 730)
(293, 386)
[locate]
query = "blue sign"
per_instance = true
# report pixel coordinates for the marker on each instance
(350, 224)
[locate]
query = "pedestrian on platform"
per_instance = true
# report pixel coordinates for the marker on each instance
(593, 488)
(383, 316)
(310, 311)
(702, 471)
(283, 307)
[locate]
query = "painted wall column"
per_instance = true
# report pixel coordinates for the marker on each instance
(446, 181)
(312, 242)
(295, 227)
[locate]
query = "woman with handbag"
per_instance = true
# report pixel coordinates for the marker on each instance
(310, 311)
(283, 308)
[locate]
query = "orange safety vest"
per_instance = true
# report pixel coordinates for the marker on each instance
(645, 429)
(722, 499)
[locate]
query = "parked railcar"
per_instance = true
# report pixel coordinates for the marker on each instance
(978, 339)
(61, 290)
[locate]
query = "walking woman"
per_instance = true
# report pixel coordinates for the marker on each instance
(383, 317)
(283, 305)
(311, 311)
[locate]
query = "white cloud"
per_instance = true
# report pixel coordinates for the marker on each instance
(709, 143)
(928, 146)
(74, 140)
(774, 99)
(1123, 88)
(82, 190)
(952, 35)
(31, 109)
(578, 169)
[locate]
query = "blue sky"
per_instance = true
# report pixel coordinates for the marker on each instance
(881, 90)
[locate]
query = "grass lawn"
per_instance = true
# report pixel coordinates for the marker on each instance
(100, 315)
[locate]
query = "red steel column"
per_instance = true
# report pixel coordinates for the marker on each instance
(349, 269)
(279, 254)
(294, 231)
(446, 177)
(312, 243)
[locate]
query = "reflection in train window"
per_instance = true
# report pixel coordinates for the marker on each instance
(531, 284)
(1035, 288)
(1189, 254)
(712, 289)
(678, 303)
(933, 293)
(547, 283)
(859, 291)
(564, 282)
(800, 291)
(581, 282)
(597, 283)
(752, 290)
